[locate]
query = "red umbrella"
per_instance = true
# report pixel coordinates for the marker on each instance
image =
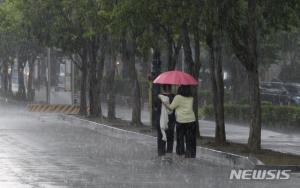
(175, 78)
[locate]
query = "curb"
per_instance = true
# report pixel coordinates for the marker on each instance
(69, 109)
(207, 154)
(228, 159)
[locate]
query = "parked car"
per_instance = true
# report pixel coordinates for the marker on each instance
(275, 92)
(280, 93)
(294, 92)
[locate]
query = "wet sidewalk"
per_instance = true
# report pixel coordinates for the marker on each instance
(275, 140)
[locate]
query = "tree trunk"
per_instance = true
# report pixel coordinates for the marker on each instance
(214, 87)
(254, 141)
(21, 82)
(30, 91)
(95, 106)
(171, 62)
(196, 69)
(83, 87)
(111, 113)
(38, 81)
(5, 77)
(220, 135)
(100, 71)
(172, 51)
(193, 66)
(214, 41)
(136, 92)
(43, 72)
(11, 64)
(245, 47)
(187, 48)
(136, 108)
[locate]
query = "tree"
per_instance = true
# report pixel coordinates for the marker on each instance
(190, 27)
(77, 28)
(244, 44)
(165, 20)
(19, 45)
(9, 39)
(87, 15)
(131, 31)
(242, 28)
(215, 39)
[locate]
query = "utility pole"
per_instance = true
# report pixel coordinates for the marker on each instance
(49, 75)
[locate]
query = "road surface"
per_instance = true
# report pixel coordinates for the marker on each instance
(42, 151)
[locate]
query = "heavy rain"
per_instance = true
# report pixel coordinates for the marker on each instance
(149, 93)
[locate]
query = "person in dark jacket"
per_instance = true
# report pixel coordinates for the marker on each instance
(166, 146)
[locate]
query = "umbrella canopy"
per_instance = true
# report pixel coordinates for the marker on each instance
(175, 78)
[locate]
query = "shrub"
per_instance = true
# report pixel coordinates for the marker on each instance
(205, 96)
(271, 114)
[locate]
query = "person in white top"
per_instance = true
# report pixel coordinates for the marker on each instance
(166, 124)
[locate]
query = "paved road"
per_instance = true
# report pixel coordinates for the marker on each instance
(39, 150)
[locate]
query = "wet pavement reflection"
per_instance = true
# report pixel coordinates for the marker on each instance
(41, 150)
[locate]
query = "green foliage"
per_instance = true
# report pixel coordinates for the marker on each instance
(15, 32)
(65, 24)
(129, 15)
(10, 22)
(280, 15)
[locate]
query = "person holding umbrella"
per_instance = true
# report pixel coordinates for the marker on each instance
(183, 106)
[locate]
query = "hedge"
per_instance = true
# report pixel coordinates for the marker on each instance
(205, 97)
(271, 114)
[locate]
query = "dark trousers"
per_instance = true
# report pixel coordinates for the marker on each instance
(162, 146)
(186, 139)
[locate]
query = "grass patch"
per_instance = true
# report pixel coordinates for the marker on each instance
(268, 157)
